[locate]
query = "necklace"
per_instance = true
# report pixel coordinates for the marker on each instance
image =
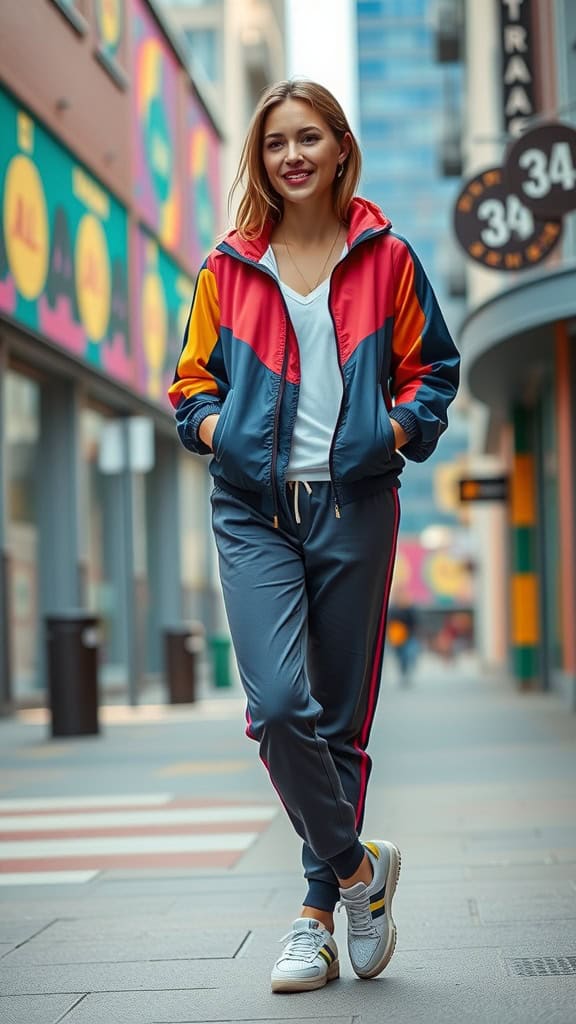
(309, 286)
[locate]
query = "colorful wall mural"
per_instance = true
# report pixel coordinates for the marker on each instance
(110, 29)
(63, 247)
(203, 183)
(158, 188)
(162, 302)
(431, 579)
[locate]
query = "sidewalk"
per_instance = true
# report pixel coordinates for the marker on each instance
(164, 873)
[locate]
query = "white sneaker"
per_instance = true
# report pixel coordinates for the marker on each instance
(371, 928)
(309, 959)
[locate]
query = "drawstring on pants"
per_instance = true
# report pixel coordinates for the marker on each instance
(295, 485)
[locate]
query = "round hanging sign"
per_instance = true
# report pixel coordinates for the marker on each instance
(498, 230)
(541, 168)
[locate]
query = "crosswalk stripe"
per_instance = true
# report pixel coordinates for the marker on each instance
(46, 877)
(70, 840)
(63, 802)
(128, 844)
(166, 816)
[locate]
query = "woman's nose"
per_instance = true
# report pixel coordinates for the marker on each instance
(293, 154)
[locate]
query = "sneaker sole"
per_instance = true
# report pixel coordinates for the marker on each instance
(392, 881)
(306, 985)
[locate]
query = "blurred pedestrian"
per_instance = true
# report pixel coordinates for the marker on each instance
(403, 640)
(307, 319)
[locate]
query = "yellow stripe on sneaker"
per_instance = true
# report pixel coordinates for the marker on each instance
(373, 850)
(377, 905)
(325, 955)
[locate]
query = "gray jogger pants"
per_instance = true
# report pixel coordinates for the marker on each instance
(306, 605)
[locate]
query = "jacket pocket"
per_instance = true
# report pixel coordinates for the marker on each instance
(220, 431)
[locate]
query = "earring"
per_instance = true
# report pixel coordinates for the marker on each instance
(340, 170)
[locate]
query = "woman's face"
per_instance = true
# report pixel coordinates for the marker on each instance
(301, 152)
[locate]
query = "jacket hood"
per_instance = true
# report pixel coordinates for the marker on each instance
(365, 219)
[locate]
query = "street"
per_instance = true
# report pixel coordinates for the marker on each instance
(147, 874)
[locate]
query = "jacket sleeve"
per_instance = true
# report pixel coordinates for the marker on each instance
(200, 382)
(425, 361)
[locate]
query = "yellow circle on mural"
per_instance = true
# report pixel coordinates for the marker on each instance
(446, 575)
(110, 18)
(26, 226)
(93, 277)
(154, 326)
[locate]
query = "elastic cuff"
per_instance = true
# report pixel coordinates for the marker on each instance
(346, 863)
(407, 420)
(322, 895)
(213, 409)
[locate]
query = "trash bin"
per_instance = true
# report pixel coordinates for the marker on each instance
(72, 662)
(183, 646)
(220, 650)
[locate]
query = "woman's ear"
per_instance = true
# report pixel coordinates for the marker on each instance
(345, 146)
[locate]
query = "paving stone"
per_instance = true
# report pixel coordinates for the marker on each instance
(506, 910)
(36, 1009)
(131, 945)
(16, 930)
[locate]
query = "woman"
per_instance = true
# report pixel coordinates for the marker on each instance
(307, 320)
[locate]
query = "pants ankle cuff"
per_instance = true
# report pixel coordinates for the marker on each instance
(322, 895)
(346, 863)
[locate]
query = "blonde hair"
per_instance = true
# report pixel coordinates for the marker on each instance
(260, 201)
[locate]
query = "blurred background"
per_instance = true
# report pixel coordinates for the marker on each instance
(122, 122)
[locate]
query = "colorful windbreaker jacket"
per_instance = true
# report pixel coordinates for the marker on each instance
(240, 359)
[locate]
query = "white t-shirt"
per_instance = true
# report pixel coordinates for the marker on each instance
(321, 385)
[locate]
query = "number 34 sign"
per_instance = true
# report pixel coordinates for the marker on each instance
(509, 218)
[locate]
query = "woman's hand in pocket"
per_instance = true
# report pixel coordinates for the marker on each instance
(400, 435)
(207, 428)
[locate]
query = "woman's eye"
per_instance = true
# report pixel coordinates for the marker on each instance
(274, 145)
(310, 138)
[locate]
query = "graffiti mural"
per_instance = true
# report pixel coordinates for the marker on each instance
(63, 247)
(203, 187)
(162, 296)
(157, 178)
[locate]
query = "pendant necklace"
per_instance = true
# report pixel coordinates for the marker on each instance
(310, 287)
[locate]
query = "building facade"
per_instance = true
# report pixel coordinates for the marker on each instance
(519, 338)
(236, 49)
(110, 187)
(410, 109)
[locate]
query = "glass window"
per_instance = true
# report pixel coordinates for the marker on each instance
(22, 432)
(391, 160)
(203, 45)
(393, 8)
(395, 37)
(102, 555)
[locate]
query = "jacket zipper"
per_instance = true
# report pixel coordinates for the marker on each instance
(276, 519)
(338, 418)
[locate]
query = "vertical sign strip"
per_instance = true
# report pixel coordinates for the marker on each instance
(524, 582)
(518, 95)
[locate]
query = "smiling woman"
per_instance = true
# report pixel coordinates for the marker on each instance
(314, 351)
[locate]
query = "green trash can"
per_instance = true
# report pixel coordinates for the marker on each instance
(220, 650)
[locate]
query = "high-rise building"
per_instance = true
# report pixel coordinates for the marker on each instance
(409, 106)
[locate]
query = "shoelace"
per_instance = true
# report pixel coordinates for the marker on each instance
(307, 488)
(359, 916)
(301, 945)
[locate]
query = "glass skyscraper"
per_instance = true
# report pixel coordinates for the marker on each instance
(409, 106)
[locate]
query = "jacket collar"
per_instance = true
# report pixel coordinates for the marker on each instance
(366, 219)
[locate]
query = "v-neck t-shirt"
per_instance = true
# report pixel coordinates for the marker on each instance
(321, 386)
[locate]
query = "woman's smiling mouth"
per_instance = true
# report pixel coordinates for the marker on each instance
(296, 177)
